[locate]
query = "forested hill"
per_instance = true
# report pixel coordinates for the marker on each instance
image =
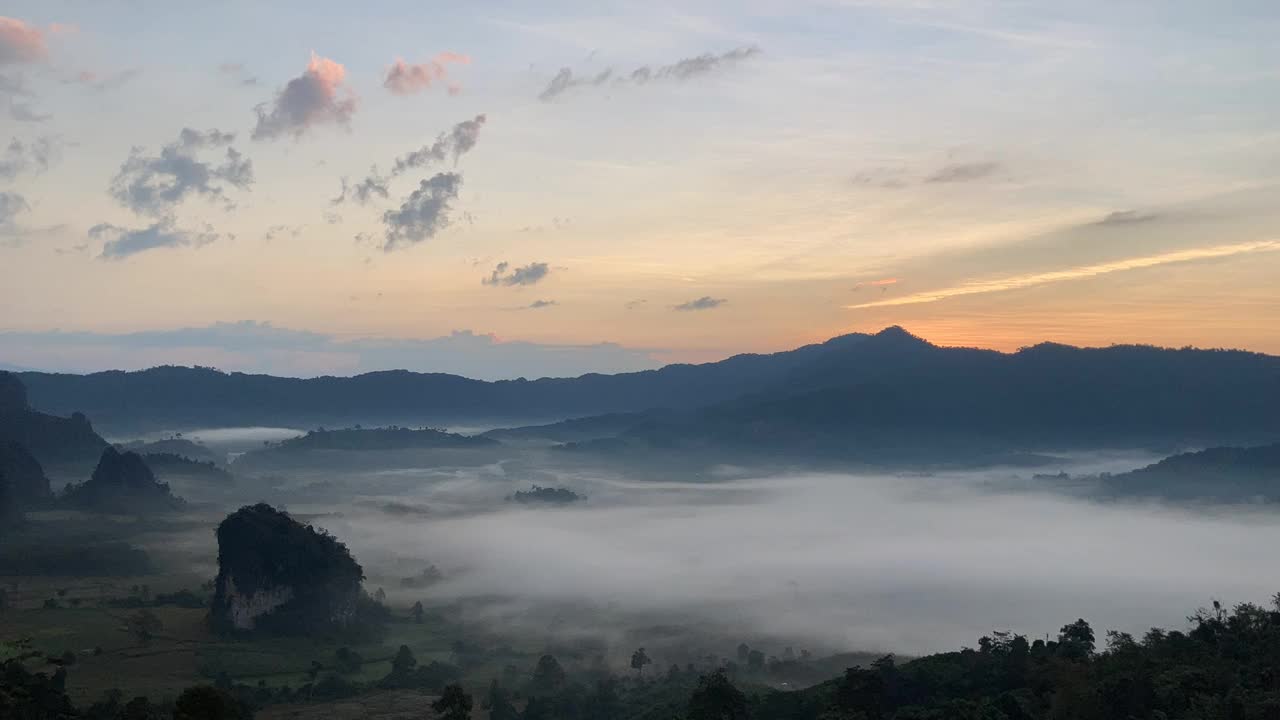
(1220, 473)
(890, 379)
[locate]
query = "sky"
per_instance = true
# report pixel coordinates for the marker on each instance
(507, 189)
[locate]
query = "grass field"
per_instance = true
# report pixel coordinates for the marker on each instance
(184, 652)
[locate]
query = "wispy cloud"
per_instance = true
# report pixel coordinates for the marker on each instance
(238, 74)
(409, 78)
(530, 274)
(964, 172)
(96, 80)
(685, 69)
(1017, 282)
(32, 156)
(706, 302)
(1127, 217)
(11, 204)
(15, 96)
(452, 144)
(126, 242)
(20, 42)
(262, 347)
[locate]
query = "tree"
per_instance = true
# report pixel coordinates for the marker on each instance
(209, 703)
(144, 625)
(347, 661)
(499, 703)
(603, 702)
(1076, 640)
(548, 677)
(404, 661)
(716, 698)
(639, 659)
(454, 704)
(417, 612)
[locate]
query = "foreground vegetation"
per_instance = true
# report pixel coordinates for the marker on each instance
(1223, 666)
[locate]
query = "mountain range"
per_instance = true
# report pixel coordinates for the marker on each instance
(889, 390)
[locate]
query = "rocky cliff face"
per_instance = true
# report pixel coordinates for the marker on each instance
(278, 575)
(243, 609)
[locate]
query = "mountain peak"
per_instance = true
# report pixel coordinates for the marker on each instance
(900, 336)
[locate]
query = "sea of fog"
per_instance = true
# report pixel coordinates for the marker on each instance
(875, 562)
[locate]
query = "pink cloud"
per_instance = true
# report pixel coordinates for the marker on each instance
(406, 79)
(317, 96)
(20, 42)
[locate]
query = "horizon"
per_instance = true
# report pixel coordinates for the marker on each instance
(603, 189)
(498, 349)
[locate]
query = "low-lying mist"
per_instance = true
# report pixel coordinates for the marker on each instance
(830, 562)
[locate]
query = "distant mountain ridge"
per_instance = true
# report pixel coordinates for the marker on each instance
(1217, 474)
(878, 389)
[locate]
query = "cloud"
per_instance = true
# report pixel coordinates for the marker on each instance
(539, 304)
(453, 144)
(124, 242)
(706, 302)
(1017, 282)
(11, 204)
(316, 97)
(883, 283)
(154, 185)
(20, 42)
(237, 73)
(374, 185)
(12, 88)
(280, 230)
(964, 172)
(20, 157)
(681, 70)
(1127, 217)
(530, 274)
(882, 177)
(424, 213)
(634, 304)
(110, 81)
(260, 347)
(407, 79)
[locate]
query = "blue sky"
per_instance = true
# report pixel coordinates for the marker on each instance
(981, 172)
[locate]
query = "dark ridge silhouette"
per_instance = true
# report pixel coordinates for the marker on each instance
(547, 495)
(167, 465)
(392, 438)
(1229, 474)
(888, 390)
(122, 483)
(274, 573)
(27, 483)
(10, 511)
(53, 440)
(173, 446)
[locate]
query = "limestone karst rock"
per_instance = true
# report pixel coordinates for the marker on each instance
(278, 575)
